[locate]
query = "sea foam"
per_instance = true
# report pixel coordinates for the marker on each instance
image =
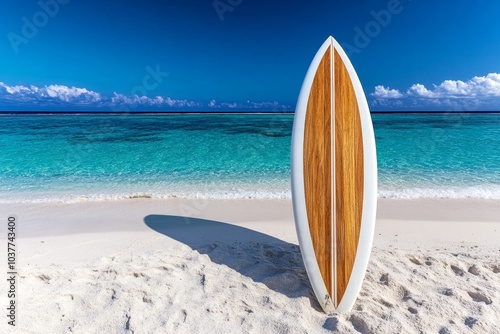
(452, 192)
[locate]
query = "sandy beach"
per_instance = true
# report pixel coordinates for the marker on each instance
(234, 266)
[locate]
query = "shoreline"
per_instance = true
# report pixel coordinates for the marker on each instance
(247, 192)
(234, 265)
(408, 224)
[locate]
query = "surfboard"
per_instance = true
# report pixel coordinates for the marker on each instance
(334, 178)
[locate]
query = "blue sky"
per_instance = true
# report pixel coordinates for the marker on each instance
(243, 54)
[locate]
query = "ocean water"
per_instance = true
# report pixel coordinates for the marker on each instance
(69, 158)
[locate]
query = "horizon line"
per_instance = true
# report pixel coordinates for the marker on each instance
(6, 112)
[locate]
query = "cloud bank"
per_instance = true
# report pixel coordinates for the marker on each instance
(51, 93)
(158, 101)
(474, 94)
(61, 97)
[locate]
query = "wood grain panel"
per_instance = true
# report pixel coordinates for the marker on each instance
(348, 175)
(318, 168)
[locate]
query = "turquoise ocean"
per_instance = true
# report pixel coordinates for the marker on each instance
(95, 157)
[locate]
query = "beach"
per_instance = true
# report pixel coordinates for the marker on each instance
(234, 266)
(184, 224)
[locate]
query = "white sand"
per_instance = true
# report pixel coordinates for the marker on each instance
(140, 266)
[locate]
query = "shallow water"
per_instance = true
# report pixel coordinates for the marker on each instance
(104, 157)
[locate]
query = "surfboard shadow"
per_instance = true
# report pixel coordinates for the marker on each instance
(262, 258)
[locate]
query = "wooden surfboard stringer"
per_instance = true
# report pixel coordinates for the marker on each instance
(333, 186)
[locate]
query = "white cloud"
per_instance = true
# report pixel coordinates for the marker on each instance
(486, 86)
(64, 96)
(478, 93)
(51, 92)
(14, 89)
(68, 94)
(155, 101)
(477, 87)
(229, 105)
(386, 93)
(274, 105)
(419, 90)
(267, 106)
(134, 99)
